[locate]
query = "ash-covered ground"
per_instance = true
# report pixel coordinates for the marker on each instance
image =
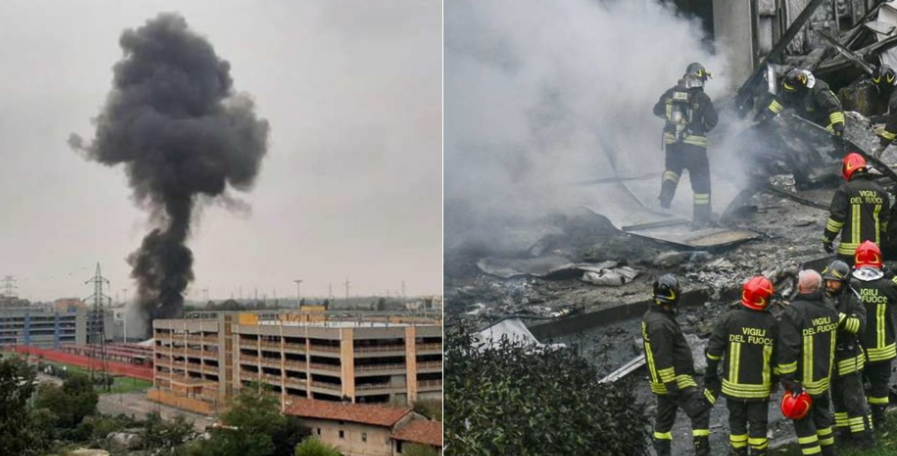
(790, 233)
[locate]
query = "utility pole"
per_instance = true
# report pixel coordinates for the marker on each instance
(298, 292)
(205, 296)
(9, 287)
(347, 283)
(98, 334)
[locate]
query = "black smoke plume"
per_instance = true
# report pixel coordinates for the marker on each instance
(184, 136)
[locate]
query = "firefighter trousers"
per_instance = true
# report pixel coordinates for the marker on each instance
(849, 401)
(814, 431)
(879, 375)
(748, 422)
(695, 405)
(680, 157)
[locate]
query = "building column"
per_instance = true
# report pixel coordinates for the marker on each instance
(411, 362)
(56, 330)
(347, 362)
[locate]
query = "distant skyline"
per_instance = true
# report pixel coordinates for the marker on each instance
(351, 186)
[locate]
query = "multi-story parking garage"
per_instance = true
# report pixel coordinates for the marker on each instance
(200, 362)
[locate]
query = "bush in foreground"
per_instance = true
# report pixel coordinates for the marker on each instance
(515, 399)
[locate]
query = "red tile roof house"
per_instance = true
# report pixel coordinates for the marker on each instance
(366, 429)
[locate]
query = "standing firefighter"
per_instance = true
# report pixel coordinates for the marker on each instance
(851, 415)
(746, 338)
(689, 115)
(884, 80)
(671, 369)
(810, 98)
(859, 210)
(805, 349)
(879, 295)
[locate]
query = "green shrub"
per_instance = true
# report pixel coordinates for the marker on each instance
(515, 399)
(314, 447)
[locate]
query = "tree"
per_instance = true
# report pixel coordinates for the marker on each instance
(16, 387)
(72, 402)
(419, 450)
(430, 408)
(314, 447)
(165, 437)
(248, 428)
(516, 399)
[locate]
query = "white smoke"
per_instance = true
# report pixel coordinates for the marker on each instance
(539, 95)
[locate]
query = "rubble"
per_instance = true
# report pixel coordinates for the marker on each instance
(785, 218)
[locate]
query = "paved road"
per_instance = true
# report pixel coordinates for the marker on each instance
(136, 404)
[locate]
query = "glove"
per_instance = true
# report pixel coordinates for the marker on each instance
(763, 116)
(838, 130)
(792, 386)
(672, 388)
(828, 245)
(713, 383)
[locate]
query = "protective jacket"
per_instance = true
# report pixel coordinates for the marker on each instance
(859, 211)
(666, 351)
(689, 115)
(849, 355)
(817, 104)
(747, 338)
(879, 296)
(807, 337)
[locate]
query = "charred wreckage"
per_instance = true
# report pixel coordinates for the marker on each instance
(584, 280)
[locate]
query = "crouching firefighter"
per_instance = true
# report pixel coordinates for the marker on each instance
(671, 370)
(810, 98)
(852, 418)
(689, 115)
(879, 296)
(859, 211)
(746, 337)
(805, 350)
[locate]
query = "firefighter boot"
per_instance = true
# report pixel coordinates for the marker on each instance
(878, 416)
(702, 446)
(743, 451)
(756, 452)
(663, 447)
(829, 450)
(667, 191)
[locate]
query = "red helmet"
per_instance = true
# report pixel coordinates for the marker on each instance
(851, 164)
(796, 407)
(867, 255)
(756, 292)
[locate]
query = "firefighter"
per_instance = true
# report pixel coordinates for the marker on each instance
(859, 210)
(671, 370)
(810, 98)
(689, 115)
(879, 296)
(848, 399)
(884, 79)
(805, 350)
(746, 338)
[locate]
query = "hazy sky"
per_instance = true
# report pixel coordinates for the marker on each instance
(351, 186)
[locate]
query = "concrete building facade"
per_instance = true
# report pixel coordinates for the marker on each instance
(200, 363)
(48, 328)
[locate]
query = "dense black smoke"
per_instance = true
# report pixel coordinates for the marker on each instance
(173, 119)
